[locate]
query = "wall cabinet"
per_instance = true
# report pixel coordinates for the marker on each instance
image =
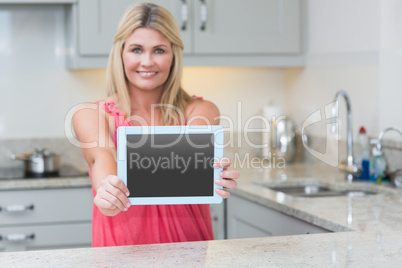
(98, 21)
(246, 219)
(37, 1)
(45, 219)
(245, 27)
(214, 32)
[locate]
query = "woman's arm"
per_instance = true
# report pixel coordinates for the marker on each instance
(201, 112)
(92, 130)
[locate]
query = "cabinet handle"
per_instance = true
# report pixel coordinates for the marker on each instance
(184, 15)
(17, 208)
(19, 237)
(204, 15)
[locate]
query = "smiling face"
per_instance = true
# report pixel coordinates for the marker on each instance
(147, 58)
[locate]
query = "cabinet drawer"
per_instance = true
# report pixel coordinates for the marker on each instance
(45, 206)
(45, 237)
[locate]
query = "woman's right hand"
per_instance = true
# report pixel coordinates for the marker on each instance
(112, 196)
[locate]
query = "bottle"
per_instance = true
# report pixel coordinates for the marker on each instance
(364, 158)
(379, 166)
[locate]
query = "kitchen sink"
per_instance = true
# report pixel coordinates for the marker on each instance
(316, 190)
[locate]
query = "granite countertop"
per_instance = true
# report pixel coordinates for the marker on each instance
(371, 213)
(367, 231)
(346, 249)
(44, 183)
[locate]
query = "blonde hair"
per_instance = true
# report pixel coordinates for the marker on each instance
(148, 15)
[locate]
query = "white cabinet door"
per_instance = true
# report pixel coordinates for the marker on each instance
(40, 237)
(247, 26)
(214, 32)
(45, 206)
(45, 219)
(98, 21)
(218, 220)
(247, 219)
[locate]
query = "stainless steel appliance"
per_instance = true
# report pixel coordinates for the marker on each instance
(285, 141)
(64, 171)
(40, 162)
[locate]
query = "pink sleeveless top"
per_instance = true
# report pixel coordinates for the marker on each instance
(149, 224)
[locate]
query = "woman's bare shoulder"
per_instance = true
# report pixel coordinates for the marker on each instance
(91, 107)
(89, 111)
(86, 109)
(202, 112)
(85, 114)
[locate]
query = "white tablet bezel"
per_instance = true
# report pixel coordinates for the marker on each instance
(122, 133)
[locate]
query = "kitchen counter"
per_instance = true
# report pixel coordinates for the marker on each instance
(367, 231)
(347, 249)
(44, 183)
(380, 212)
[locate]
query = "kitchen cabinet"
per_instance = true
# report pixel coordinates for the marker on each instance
(98, 22)
(218, 33)
(45, 219)
(246, 219)
(218, 220)
(37, 1)
(244, 27)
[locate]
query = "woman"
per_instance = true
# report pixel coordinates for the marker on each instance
(143, 80)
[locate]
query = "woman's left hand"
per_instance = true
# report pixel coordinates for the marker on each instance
(228, 177)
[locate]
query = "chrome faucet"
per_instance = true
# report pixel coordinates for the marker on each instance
(380, 165)
(378, 142)
(348, 166)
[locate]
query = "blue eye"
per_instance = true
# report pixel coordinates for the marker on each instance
(159, 51)
(136, 50)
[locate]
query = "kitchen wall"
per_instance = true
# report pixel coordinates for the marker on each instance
(38, 91)
(240, 93)
(355, 46)
(351, 45)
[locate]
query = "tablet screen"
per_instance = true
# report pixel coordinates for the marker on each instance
(170, 165)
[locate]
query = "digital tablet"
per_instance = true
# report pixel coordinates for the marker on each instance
(170, 164)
